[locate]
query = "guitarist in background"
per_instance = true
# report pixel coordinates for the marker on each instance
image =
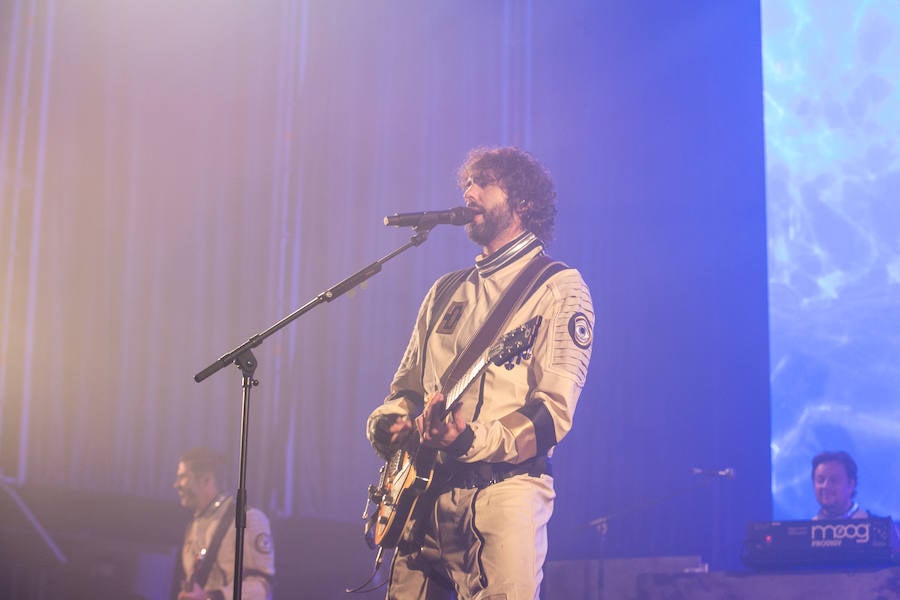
(480, 529)
(207, 555)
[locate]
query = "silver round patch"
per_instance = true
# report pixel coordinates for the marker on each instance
(580, 330)
(263, 543)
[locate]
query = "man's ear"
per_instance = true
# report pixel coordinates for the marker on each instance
(522, 206)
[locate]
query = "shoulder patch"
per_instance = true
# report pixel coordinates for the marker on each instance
(580, 330)
(263, 543)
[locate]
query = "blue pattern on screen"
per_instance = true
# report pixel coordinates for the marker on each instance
(832, 122)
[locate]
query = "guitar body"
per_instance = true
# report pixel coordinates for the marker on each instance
(406, 476)
(409, 472)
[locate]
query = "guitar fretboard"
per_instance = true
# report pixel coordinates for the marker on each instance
(456, 391)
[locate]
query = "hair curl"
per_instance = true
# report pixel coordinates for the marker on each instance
(526, 181)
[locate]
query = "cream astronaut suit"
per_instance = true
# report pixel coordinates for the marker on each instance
(485, 534)
(259, 556)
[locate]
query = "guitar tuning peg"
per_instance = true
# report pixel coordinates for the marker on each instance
(509, 366)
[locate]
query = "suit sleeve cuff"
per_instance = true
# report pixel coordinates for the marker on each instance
(461, 444)
(414, 400)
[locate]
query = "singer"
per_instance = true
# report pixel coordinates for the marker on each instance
(480, 528)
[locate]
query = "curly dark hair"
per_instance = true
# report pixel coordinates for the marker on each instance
(526, 182)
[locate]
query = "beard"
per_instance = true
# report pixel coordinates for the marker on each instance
(187, 498)
(493, 221)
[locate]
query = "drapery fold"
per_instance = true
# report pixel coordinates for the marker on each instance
(181, 177)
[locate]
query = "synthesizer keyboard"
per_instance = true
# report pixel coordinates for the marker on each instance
(845, 542)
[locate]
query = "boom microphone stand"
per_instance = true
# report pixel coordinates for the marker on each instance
(242, 356)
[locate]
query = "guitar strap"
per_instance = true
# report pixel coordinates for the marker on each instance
(201, 575)
(512, 298)
(445, 288)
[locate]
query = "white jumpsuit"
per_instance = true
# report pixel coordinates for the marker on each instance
(259, 556)
(488, 540)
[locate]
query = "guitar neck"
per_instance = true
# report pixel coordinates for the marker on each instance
(453, 394)
(516, 343)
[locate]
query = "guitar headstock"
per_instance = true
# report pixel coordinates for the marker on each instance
(515, 344)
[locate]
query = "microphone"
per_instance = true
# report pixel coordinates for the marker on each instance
(429, 218)
(726, 473)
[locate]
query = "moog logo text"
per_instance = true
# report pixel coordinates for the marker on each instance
(824, 536)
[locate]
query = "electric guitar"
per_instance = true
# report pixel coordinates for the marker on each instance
(409, 471)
